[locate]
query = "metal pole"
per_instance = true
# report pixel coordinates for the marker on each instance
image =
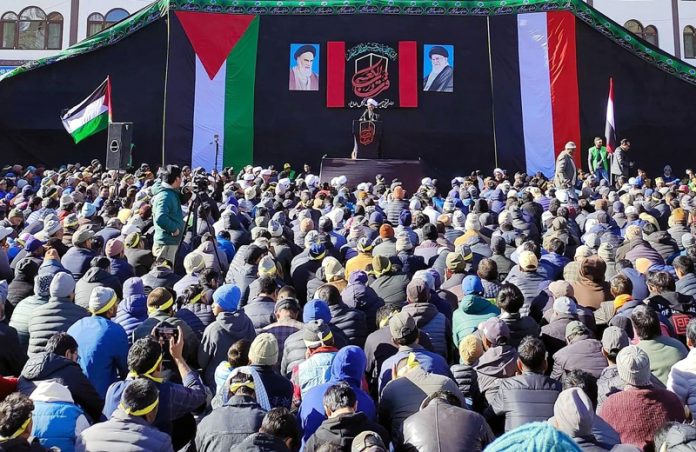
(490, 69)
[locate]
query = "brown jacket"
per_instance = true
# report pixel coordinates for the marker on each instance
(591, 289)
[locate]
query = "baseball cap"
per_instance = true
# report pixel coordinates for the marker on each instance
(472, 285)
(528, 261)
(495, 330)
(417, 291)
(368, 441)
(565, 305)
(614, 339)
(401, 325)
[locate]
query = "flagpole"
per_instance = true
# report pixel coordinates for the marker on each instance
(166, 82)
(490, 69)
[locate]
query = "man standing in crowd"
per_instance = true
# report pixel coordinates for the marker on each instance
(598, 160)
(167, 213)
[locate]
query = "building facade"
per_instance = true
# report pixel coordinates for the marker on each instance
(32, 29)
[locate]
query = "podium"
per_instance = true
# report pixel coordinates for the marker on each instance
(368, 139)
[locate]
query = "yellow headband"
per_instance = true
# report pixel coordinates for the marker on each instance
(411, 363)
(328, 336)
(385, 321)
(19, 431)
(163, 307)
(384, 270)
(141, 412)
(248, 384)
(196, 299)
(148, 374)
(136, 241)
(106, 307)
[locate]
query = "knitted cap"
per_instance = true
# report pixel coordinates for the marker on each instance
(573, 413)
(316, 334)
(227, 297)
(403, 241)
(332, 268)
(470, 349)
(267, 266)
(114, 247)
(633, 365)
(316, 310)
(101, 300)
(534, 437)
(565, 305)
(62, 285)
(194, 263)
(264, 350)
(81, 236)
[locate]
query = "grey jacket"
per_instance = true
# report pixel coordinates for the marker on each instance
(566, 172)
(123, 433)
(56, 316)
(21, 316)
(525, 398)
(229, 425)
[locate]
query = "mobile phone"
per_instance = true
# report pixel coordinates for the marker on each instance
(164, 333)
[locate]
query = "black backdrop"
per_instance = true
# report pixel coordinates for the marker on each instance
(452, 132)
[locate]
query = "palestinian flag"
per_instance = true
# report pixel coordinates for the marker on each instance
(91, 116)
(212, 70)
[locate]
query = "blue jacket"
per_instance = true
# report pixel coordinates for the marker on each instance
(76, 260)
(53, 423)
(103, 349)
(227, 247)
(555, 263)
(132, 310)
(167, 214)
(121, 269)
(429, 361)
(348, 366)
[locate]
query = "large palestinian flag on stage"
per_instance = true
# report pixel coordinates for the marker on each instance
(461, 85)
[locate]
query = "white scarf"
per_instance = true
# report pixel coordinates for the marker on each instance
(433, 75)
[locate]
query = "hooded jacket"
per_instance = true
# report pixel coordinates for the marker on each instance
(56, 316)
(348, 366)
(124, 433)
(525, 398)
(636, 248)
(132, 310)
(229, 425)
(95, 277)
(261, 312)
(167, 214)
(103, 349)
(496, 364)
(446, 428)
(56, 420)
(428, 361)
(161, 276)
(433, 323)
(685, 285)
(121, 269)
(342, 429)
(358, 295)
(663, 243)
(261, 442)
(472, 311)
(228, 328)
(49, 366)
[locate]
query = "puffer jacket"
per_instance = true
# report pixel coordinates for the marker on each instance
(676, 232)
(393, 210)
(584, 353)
(21, 316)
(56, 418)
(167, 214)
(261, 442)
(95, 277)
(55, 316)
(49, 366)
(639, 248)
(496, 364)
(213, 258)
(121, 269)
(525, 398)
(520, 327)
(123, 433)
(531, 284)
(446, 428)
(352, 322)
(391, 287)
(472, 310)
(242, 277)
(22, 285)
(132, 310)
(358, 295)
(197, 315)
(229, 425)
(261, 311)
(467, 380)
(434, 324)
(342, 429)
(160, 277)
(663, 243)
(77, 261)
(686, 285)
(228, 328)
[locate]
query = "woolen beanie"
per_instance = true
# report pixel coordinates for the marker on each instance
(194, 263)
(101, 300)
(62, 285)
(470, 349)
(227, 297)
(534, 437)
(42, 284)
(332, 268)
(607, 252)
(561, 289)
(573, 413)
(316, 310)
(264, 350)
(114, 247)
(267, 266)
(633, 365)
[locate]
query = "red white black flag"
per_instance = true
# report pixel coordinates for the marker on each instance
(609, 128)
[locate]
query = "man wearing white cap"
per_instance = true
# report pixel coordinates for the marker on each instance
(566, 172)
(369, 114)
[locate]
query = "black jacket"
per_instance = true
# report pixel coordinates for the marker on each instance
(261, 442)
(352, 322)
(12, 355)
(49, 366)
(160, 277)
(466, 378)
(342, 429)
(391, 287)
(95, 277)
(524, 398)
(140, 260)
(687, 285)
(22, 445)
(229, 425)
(520, 327)
(261, 312)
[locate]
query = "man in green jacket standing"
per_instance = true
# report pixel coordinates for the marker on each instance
(167, 213)
(598, 160)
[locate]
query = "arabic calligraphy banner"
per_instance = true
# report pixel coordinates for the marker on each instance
(385, 72)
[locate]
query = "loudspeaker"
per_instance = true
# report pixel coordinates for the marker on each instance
(118, 148)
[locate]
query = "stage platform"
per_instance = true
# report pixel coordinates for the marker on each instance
(410, 172)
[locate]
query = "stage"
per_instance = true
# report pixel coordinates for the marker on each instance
(409, 172)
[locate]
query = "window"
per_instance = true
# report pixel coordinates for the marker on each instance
(689, 42)
(32, 30)
(650, 35)
(95, 24)
(8, 31)
(114, 16)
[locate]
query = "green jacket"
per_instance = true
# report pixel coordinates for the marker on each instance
(167, 214)
(597, 157)
(472, 310)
